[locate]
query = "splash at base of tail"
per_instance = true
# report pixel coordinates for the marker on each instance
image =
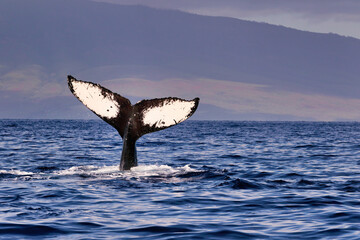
(132, 121)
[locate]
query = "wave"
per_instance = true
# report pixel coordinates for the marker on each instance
(29, 229)
(241, 184)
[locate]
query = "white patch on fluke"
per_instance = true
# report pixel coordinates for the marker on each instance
(92, 97)
(170, 113)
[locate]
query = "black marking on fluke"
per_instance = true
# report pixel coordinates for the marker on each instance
(132, 121)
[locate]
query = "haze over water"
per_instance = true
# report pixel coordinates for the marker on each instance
(197, 180)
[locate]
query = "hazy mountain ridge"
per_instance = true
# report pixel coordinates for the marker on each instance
(98, 40)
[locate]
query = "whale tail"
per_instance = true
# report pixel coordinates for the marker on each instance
(131, 121)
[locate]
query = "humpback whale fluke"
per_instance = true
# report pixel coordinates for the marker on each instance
(132, 121)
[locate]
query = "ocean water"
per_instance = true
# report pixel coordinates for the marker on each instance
(59, 179)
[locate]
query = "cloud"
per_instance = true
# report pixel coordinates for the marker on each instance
(21, 80)
(242, 97)
(36, 91)
(32, 81)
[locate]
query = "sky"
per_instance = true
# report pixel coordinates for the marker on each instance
(325, 16)
(31, 90)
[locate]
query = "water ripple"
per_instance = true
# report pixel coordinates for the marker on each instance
(197, 180)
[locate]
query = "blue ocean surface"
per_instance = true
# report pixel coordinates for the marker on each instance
(59, 179)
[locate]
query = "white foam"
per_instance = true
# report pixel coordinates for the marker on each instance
(92, 96)
(156, 170)
(172, 111)
(16, 172)
(140, 172)
(168, 173)
(89, 170)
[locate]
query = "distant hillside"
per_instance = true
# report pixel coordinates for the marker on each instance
(104, 41)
